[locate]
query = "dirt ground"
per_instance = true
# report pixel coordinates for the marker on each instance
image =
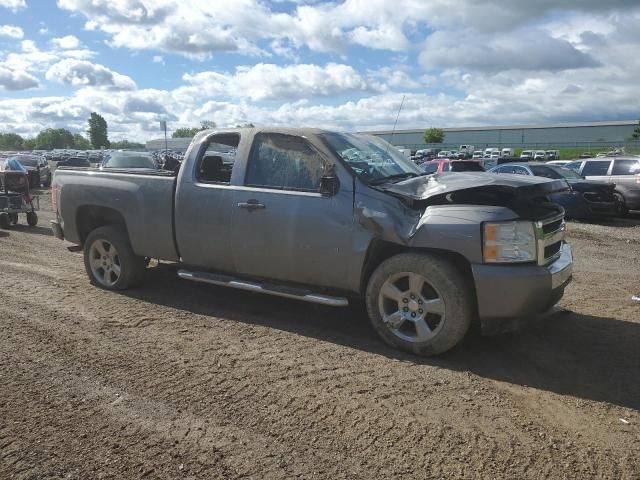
(180, 380)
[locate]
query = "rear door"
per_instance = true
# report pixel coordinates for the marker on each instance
(596, 169)
(283, 227)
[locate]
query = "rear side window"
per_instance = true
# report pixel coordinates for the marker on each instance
(596, 168)
(574, 166)
(626, 167)
(284, 162)
(215, 164)
(446, 167)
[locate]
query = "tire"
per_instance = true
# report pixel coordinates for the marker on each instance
(621, 205)
(13, 218)
(118, 269)
(32, 219)
(47, 182)
(443, 303)
(5, 221)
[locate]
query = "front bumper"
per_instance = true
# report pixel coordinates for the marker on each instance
(56, 228)
(510, 295)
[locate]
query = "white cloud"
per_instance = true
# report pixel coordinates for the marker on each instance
(498, 51)
(16, 80)
(80, 73)
(158, 59)
(11, 31)
(13, 4)
(273, 82)
(67, 42)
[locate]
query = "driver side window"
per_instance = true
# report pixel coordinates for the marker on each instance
(284, 162)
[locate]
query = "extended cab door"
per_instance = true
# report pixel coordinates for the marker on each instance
(283, 227)
(204, 204)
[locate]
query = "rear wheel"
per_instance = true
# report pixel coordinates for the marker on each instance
(5, 221)
(621, 205)
(32, 219)
(419, 303)
(13, 217)
(110, 261)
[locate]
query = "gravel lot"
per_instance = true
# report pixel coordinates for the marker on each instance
(180, 380)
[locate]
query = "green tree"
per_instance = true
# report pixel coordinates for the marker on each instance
(185, 132)
(207, 124)
(126, 145)
(53, 138)
(98, 131)
(636, 133)
(81, 143)
(29, 144)
(245, 125)
(434, 135)
(11, 141)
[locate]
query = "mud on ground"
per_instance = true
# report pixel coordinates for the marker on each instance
(179, 380)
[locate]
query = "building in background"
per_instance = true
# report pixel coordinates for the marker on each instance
(595, 134)
(586, 135)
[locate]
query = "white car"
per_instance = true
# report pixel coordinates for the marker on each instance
(478, 154)
(444, 154)
(540, 155)
(507, 152)
(526, 154)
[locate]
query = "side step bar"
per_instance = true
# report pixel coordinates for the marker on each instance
(277, 290)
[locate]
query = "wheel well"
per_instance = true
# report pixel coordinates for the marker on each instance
(90, 217)
(379, 251)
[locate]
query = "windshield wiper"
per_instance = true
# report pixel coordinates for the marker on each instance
(390, 178)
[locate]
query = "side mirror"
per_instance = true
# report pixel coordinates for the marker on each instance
(329, 182)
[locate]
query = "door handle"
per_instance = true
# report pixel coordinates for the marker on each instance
(251, 205)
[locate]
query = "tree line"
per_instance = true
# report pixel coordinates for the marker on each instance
(51, 138)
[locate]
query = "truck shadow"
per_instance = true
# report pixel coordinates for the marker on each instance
(594, 358)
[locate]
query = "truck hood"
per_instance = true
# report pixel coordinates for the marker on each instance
(437, 189)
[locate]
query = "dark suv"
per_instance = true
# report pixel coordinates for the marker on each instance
(624, 172)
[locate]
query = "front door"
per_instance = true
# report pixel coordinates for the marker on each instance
(283, 228)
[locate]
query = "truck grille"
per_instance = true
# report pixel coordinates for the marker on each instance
(550, 235)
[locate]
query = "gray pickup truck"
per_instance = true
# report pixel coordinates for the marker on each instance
(329, 217)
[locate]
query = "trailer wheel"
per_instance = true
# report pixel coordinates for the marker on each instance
(5, 222)
(32, 219)
(14, 218)
(110, 261)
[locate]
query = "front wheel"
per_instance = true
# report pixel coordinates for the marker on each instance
(419, 303)
(110, 261)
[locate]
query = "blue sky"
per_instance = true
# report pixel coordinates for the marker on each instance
(343, 64)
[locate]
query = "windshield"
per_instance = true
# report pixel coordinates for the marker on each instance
(371, 158)
(130, 161)
(555, 173)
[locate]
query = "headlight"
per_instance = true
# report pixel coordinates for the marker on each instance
(509, 242)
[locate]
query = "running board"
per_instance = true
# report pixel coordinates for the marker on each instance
(277, 290)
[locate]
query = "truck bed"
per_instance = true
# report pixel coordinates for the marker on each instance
(144, 198)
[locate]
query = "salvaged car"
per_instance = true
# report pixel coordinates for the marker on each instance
(586, 199)
(621, 171)
(37, 169)
(328, 217)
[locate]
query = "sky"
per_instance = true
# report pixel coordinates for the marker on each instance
(343, 65)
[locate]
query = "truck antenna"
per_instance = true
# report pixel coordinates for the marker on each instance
(396, 122)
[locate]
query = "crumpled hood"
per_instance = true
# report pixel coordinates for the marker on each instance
(435, 187)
